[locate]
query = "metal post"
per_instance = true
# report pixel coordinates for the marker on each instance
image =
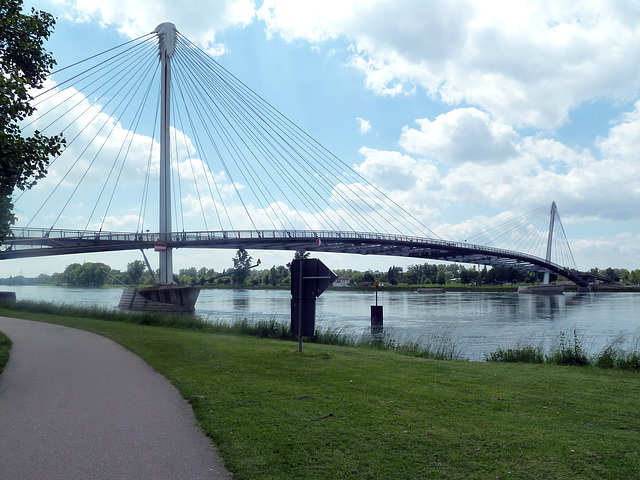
(301, 301)
(376, 284)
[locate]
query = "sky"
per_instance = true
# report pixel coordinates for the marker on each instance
(468, 111)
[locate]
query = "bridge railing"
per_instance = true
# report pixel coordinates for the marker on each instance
(27, 235)
(348, 236)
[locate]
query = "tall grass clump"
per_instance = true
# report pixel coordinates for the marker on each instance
(523, 354)
(614, 355)
(334, 336)
(271, 328)
(438, 345)
(569, 351)
(628, 361)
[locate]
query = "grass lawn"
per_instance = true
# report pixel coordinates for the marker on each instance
(354, 413)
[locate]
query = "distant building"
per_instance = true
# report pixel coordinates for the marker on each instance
(342, 282)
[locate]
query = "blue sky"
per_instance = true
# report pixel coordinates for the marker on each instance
(469, 111)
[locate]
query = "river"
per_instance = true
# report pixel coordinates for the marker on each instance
(476, 323)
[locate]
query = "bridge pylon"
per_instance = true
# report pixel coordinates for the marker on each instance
(165, 296)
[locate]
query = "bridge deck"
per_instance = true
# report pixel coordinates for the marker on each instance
(34, 242)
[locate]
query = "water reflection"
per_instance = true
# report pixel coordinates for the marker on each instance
(240, 303)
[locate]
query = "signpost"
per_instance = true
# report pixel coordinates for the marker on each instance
(309, 278)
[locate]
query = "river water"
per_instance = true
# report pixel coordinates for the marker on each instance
(476, 323)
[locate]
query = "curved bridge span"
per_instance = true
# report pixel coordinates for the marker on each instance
(33, 242)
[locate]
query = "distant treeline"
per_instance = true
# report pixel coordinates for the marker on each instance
(91, 274)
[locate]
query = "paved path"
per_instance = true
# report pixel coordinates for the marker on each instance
(75, 405)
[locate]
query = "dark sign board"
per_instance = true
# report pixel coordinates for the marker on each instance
(309, 278)
(315, 277)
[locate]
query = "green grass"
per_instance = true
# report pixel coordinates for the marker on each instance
(336, 412)
(5, 346)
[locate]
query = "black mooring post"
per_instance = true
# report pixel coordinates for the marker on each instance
(376, 315)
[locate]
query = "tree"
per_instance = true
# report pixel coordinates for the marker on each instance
(299, 255)
(368, 277)
(85, 275)
(411, 276)
(393, 273)
(242, 263)
(135, 270)
(465, 276)
(24, 65)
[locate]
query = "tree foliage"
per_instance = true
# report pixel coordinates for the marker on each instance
(24, 65)
(299, 255)
(241, 262)
(88, 274)
(279, 275)
(135, 271)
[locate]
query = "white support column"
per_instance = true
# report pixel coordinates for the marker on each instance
(167, 42)
(552, 220)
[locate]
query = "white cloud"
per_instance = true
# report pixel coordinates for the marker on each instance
(393, 171)
(365, 125)
(463, 158)
(117, 223)
(525, 62)
(584, 187)
(624, 138)
(618, 251)
(315, 21)
(198, 21)
(460, 136)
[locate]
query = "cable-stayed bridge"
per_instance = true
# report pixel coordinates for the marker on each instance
(229, 169)
(39, 242)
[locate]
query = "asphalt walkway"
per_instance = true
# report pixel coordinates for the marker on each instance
(75, 405)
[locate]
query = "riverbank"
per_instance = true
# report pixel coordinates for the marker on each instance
(341, 412)
(393, 288)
